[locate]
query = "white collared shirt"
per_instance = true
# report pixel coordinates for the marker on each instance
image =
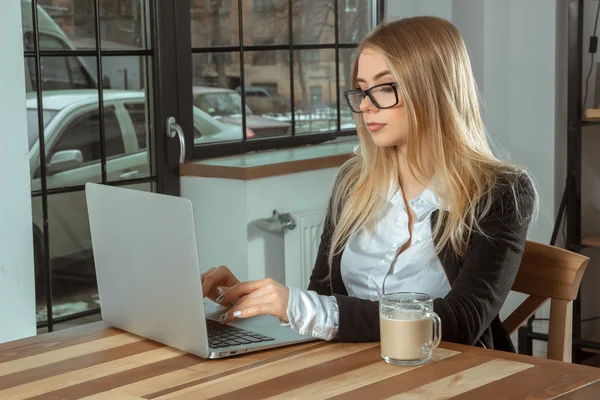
(371, 266)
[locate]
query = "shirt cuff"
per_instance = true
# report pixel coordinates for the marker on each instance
(311, 314)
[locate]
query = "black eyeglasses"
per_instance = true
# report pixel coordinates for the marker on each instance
(383, 96)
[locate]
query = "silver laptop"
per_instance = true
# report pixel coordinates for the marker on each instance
(149, 277)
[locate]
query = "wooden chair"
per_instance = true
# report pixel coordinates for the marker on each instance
(548, 272)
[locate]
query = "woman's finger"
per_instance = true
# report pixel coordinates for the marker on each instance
(242, 289)
(223, 299)
(214, 278)
(249, 308)
(206, 273)
(207, 285)
(210, 283)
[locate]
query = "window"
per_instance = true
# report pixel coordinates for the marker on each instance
(62, 57)
(316, 95)
(58, 73)
(83, 134)
(288, 59)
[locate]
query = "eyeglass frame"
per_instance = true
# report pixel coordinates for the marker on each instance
(367, 93)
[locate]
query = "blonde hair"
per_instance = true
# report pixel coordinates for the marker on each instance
(429, 61)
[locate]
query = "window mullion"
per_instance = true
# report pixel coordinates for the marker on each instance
(100, 80)
(291, 50)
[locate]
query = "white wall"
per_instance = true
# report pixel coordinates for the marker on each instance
(17, 297)
(226, 223)
(519, 95)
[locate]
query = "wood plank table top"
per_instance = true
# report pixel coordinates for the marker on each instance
(99, 362)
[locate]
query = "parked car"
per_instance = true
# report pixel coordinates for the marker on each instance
(263, 101)
(226, 105)
(72, 148)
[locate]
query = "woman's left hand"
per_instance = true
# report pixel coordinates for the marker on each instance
(265, 296)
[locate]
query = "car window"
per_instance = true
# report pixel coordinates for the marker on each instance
(137, 112)
(220, 104)
(80, 77)
(84, 134)
(57, 72)
(205, 125)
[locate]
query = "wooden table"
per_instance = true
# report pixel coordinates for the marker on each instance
(97, 362)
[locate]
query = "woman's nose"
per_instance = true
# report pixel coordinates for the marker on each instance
(367, 105)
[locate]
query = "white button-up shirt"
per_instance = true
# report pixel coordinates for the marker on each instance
(371, 266)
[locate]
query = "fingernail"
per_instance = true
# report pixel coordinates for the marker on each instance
(220, 298)
(220, 290)
(237, 313)
(223, 317)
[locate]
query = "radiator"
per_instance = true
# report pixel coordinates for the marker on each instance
(301, 247)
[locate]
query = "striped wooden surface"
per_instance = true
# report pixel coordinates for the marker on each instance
(98, 362)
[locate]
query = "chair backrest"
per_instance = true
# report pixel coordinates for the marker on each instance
(548, 272)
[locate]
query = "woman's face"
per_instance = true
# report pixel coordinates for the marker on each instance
(388, 127)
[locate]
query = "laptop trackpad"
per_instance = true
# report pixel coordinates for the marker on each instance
(263, 324)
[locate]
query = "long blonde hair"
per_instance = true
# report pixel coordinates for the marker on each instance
(429, 61)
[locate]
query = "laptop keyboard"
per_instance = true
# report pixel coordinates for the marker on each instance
(221, 335)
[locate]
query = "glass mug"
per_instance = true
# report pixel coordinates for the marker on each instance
(410, 330)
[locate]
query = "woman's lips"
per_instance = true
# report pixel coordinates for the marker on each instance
(374, 127)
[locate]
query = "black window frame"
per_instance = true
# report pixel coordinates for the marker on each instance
(243, 146)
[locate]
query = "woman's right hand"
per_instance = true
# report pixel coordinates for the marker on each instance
(216, 281)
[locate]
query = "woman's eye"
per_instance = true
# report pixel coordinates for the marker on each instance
(387, 89)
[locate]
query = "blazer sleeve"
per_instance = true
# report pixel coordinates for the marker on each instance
(489, 268)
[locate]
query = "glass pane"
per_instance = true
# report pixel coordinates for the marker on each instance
(61, 73)
(266, 22)
(217, 101)
(127, 137)
(64, 24)
(346, 61)
(355, 20)
(314, 21)
(124, 25)
(73, 275)
(267, 77)
(315, 90)
(214, 23)
(71, 24)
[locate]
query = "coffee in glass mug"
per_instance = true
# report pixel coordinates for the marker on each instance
(410, 330)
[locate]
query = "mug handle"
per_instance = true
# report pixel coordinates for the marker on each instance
(437, 331)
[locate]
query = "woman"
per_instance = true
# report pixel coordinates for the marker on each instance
(423, 207)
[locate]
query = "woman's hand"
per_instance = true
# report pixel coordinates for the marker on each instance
(256, 298)
(216, 281)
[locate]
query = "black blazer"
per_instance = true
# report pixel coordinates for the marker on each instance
(480, 280)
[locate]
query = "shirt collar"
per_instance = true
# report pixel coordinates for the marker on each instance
(422, 204)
